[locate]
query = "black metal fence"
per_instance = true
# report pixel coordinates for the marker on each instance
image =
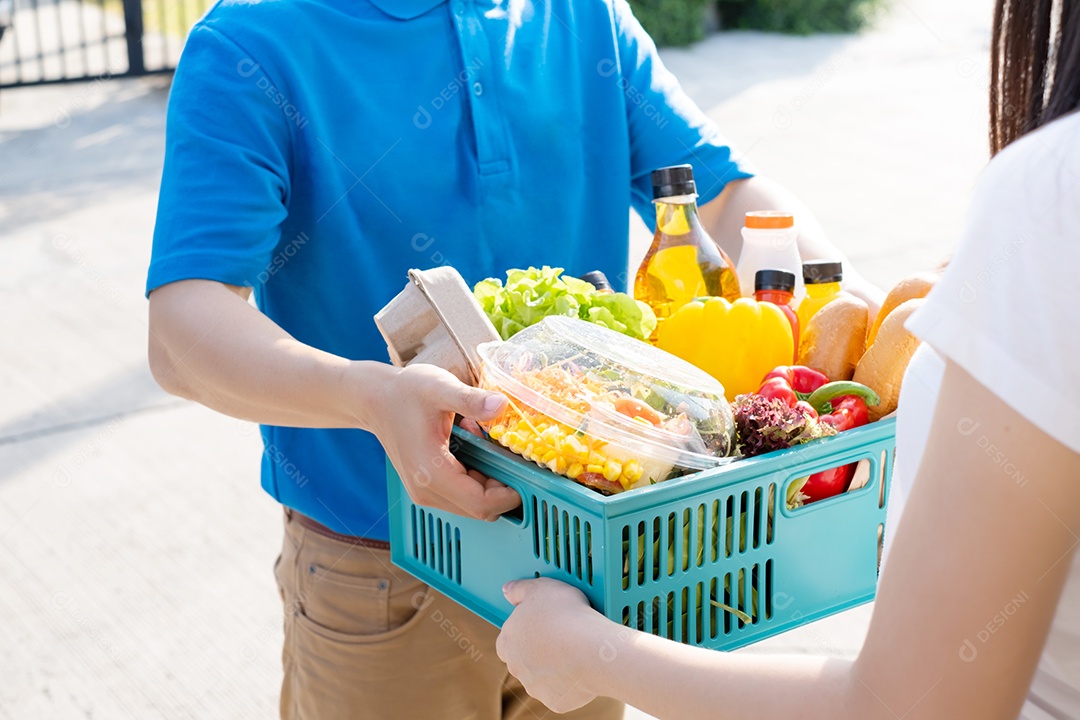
(53, 41)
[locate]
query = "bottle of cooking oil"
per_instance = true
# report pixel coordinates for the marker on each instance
(683, 262)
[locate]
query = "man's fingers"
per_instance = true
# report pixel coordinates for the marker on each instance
(470, 402)
(478, 497)
(491, 484)
(505, 497)
(470, 426)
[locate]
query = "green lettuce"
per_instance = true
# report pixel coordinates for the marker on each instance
(533, 294)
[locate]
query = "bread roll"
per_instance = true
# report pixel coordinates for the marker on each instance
(916, 286)
(882, 367)
(835, 337)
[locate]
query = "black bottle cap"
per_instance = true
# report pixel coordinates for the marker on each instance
(674, 180)
(816, 272)
(598, 280)
(774, 280)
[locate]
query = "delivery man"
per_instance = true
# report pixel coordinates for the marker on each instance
(315, 151)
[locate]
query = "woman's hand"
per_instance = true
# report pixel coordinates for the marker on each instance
(545, 642)
(416, 413)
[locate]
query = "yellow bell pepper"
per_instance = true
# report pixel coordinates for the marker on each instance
(737, 343)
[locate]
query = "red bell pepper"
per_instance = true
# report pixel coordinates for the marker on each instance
(844, 406)
(849, 411)
(779, 389)
(792, 384)
(802, 380)
(827, 483)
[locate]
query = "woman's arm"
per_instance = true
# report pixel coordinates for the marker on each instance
(961, 617)
(724, 216)
(208, 344)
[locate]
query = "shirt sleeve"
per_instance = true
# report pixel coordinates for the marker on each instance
(225, 183)
(666, 126)
(1005, 309)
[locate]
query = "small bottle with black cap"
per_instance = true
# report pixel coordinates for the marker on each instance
(778, 287)
(683, 262)
(822, 279)
(599, 280)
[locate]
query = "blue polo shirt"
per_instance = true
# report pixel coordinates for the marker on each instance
(318, 149)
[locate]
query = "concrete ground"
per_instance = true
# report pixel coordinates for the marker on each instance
(135, 543)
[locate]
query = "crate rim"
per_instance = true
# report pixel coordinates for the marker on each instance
(816, 451)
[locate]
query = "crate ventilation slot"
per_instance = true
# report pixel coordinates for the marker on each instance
(705, 533)
(701, 612)
(562, 539)
(436, 543)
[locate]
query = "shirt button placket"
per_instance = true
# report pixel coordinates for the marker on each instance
(488, 131)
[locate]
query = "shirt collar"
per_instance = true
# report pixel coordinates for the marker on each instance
(406, 9)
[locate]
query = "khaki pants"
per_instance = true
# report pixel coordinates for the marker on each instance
(364, 639)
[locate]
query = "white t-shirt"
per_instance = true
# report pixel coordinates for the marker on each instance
(1006, 312)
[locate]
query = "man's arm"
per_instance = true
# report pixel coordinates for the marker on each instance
(208, 344)
(723, 219)
(667, 128)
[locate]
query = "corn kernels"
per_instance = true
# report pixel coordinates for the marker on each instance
(598, 469)
(612, 470)
(576, 449)
(574, 471)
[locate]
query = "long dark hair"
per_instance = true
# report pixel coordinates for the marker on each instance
(1034, 66)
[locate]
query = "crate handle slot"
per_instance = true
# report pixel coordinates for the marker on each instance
(515, 516)
(521, 516)
(855, 457)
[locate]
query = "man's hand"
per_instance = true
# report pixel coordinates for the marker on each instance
(413, 424)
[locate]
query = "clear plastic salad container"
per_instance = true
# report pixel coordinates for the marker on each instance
(606, 410)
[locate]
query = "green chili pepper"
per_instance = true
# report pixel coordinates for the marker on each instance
(820, 398)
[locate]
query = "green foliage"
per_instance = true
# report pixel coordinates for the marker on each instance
(531, 295)
(801, 17)
(672, 22)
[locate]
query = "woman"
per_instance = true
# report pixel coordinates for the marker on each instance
(978, 609)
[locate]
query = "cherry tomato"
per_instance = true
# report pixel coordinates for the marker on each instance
(598, 482)
(634, 408)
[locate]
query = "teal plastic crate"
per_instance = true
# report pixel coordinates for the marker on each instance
(675, 559)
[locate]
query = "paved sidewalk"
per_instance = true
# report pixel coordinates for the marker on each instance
(135, 543)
